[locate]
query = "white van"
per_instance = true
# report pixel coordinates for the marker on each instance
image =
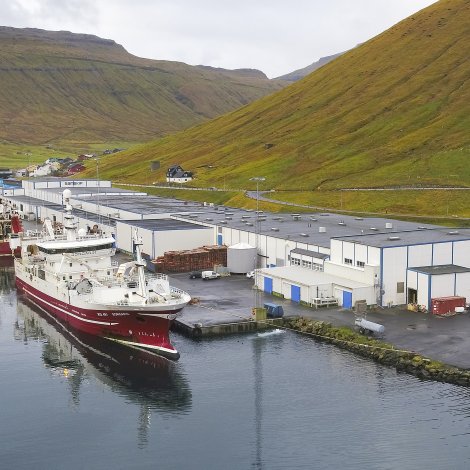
(209, 275)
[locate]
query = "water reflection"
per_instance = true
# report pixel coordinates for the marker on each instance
(7, 276)
(152, 382)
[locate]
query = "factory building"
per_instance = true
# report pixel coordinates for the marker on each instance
(162, 235)
(316, 259)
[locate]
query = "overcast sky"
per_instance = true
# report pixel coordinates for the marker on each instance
(275, 36)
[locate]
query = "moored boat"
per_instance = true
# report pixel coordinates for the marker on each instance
(10, 227)
(73, 277)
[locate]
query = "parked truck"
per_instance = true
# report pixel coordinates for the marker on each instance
(206, 275)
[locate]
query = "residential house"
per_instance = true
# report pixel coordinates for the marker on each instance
(176, 174)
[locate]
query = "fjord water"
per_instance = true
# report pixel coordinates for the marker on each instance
(270, 401)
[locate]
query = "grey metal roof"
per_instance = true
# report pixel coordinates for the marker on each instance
(410, 237)
(144, 204)
(158, 225)
(78, 191)
(312, 254)
(301, 228)
(442, 269)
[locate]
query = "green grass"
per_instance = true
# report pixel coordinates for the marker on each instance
(431, 203)
(60, 88)
(13, 155)
(393, 111)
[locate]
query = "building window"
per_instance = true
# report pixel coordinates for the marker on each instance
(360, 264)
(348, 261)
(400, 287)
(295, 262)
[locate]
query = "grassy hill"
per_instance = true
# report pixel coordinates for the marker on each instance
(59, 87)
(393, 111)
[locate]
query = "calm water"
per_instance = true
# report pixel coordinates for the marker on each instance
(278, 401)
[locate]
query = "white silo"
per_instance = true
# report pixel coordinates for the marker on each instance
(241, 258)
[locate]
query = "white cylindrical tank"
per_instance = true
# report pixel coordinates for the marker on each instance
(241, 258)
(370, 326)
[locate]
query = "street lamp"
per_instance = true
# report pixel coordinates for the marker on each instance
(258, 179)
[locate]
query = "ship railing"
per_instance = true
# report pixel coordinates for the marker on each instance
(177, 293)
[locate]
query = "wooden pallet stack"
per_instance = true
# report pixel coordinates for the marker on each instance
(205, 257)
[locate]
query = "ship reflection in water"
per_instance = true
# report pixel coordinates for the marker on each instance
(150, 381)
(7, 277)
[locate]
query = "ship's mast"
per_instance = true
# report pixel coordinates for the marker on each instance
(140, 264)
(69, 224)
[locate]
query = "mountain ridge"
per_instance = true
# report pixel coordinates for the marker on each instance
(394, 109)
(62, 86)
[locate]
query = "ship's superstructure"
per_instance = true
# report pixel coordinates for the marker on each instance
(73, 276)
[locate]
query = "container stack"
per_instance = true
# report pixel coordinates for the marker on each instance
(202, 258)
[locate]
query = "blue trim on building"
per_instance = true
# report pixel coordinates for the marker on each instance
(429, 291)
(406, 273)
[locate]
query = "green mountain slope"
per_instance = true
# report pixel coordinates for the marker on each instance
(395, 110)
(64, 87)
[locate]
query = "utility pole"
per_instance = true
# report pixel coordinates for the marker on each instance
(258, 180)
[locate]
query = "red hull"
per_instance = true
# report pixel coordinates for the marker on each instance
(147, 332)
(5, 249)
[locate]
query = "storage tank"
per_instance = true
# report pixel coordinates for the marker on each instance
(241, 258)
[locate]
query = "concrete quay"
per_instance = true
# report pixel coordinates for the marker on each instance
(224, 307)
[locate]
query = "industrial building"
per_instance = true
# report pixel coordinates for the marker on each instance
(316, 259)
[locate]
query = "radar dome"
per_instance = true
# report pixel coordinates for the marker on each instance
(67, 193)
(81, 232)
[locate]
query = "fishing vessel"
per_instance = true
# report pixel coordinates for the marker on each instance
(10, 227)
(73, 276)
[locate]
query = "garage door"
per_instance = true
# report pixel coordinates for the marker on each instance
(268, 285)
(295, 293)
(347, 299)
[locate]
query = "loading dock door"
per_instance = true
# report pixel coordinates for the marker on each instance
(268, 285)
(295, 293)
(219, 239)
(347, 299)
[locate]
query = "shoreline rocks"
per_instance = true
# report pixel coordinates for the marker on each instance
(381, 352)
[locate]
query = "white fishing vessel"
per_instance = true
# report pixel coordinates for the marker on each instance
(72, 276)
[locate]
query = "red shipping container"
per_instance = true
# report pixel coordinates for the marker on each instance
(443, 305)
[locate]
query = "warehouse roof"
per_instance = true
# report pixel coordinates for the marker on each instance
(312, 254)
(441, 269)
(309, 277)
(313, 229)
(92, 191)
(420, 236)
(145, 206)
(158, 225)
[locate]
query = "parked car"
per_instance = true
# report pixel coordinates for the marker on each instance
(206, 275)
(195, 275)
(250, 275)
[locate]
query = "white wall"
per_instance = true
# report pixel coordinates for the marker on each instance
(394, 271)
(462, 285)
(366, 275)
(442, 253)
(462, 253)
(419, 255)
(176, 240)
(442, 285)
(423, 290)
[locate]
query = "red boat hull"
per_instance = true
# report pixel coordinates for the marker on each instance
(131, 328)
(5, 249)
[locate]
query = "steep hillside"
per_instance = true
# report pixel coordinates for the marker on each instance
(301, 73)
(395, 110)
(65, 87)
